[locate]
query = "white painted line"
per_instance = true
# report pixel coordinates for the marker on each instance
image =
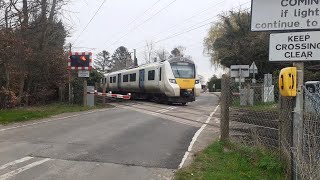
(50, 120)
(15, 162)
(195, 137)
(166, 109)
(164, 116)
(24, 168)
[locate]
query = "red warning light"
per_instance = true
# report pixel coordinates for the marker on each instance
(83, 58)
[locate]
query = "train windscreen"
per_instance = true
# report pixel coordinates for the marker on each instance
(183, 70)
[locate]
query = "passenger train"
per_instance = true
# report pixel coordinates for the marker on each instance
(169, 81)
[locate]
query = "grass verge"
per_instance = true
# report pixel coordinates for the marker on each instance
(272, 106)
(39, 112)
(235, 164)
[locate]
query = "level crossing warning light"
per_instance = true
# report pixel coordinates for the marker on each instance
(80, 61)
(288, 82)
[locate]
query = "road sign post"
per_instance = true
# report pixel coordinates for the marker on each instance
(298, 114)
(253, 70)
(239, 71)
(85, 91)
(82, 62)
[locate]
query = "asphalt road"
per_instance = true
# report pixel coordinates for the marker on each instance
(134, 140)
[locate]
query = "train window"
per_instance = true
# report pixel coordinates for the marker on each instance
(151, 75)
(133, 77)
(110, 79)
(183, 70)
(125, 78)
(160, 74)
(114, 79)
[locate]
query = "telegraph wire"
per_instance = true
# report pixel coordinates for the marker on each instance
(94, 15)
(158, 12)
(142, 14)
(185, 20)
(193, 27)
(137, 17)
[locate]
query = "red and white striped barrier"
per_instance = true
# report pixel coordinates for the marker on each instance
(118, 96)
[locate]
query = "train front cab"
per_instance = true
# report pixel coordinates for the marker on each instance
(185, 77)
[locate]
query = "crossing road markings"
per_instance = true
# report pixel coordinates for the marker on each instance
(15, 162)
(166, 109)
(24, 168)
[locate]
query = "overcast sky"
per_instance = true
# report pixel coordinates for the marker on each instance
(131, 23)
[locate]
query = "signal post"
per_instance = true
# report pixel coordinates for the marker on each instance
(81, 62)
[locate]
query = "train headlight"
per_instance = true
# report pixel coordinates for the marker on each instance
(173, 81)
(197, 81)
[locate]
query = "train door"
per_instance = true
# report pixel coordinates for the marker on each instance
(141, 79)
(161, 78)
(119, 82)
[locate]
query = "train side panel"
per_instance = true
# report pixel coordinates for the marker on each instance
(170, 89)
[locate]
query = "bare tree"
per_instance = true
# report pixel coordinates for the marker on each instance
(188, 57)
(178, 51)
(149, 52)
(162, 54)
(34, 32)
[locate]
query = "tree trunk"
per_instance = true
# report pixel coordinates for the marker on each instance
(43, 10)
(44, 24)
(52, 11)
(25, 21)
(7, 76)
(21, 88)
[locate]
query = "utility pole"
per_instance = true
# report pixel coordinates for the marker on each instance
(69, 71)
(85, 91)
(135, 57)
(298, 117)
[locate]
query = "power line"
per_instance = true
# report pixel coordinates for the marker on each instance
(185, 20)
(158, 12)
(142, 14)
(138, 17)
(189, 30)
(94, 15)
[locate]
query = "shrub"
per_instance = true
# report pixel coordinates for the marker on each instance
(7, 98)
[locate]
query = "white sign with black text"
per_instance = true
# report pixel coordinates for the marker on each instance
(270, 15)
(83, 74)
(299, 46)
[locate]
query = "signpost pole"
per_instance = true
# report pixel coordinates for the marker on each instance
(298, 118)
(240, 73)
(84, 91)
(69, 84)
(254, 72)
(104, 89)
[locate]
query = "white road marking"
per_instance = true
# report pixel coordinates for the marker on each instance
(217, 120)
(24, 168)
(50, 120)
(168, 109)
(164, 116)
(195, 137)
(15, 162)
